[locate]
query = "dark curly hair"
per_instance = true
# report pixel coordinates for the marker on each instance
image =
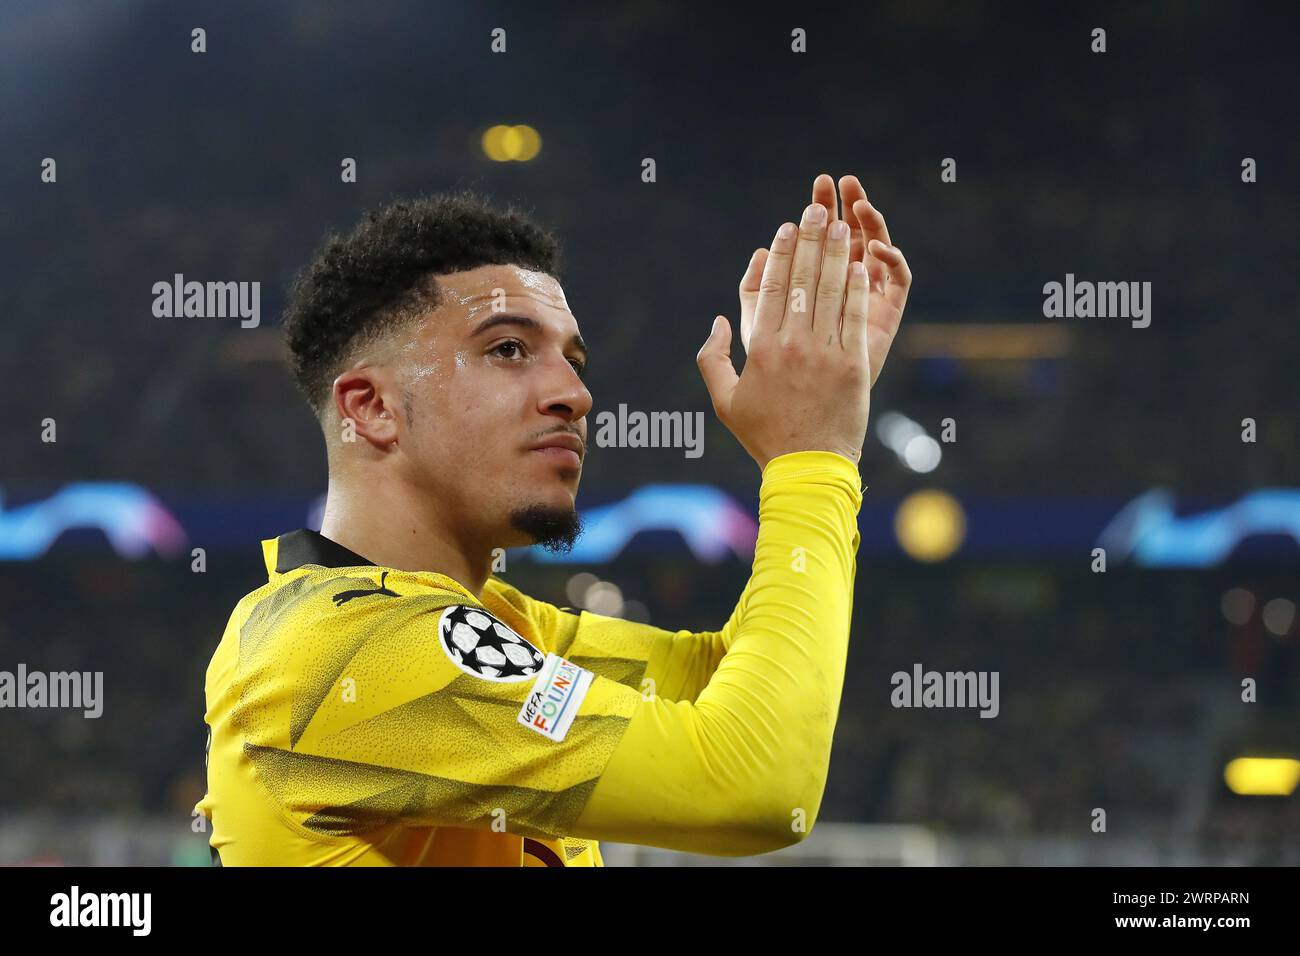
(375, 278)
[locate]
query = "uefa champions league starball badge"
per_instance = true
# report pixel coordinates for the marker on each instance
(480, 645)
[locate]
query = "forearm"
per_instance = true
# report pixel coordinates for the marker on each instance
(730, 772)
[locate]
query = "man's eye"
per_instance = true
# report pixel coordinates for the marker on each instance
(509, 349)
(579, 367)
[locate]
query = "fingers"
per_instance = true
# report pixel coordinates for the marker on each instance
(774, 285)
(804, 270)
(873, 223)
(853, 330)
(885, 309)
(830, 286)
(873, 227)
(823, 193)
(714, 361)
(898, 275)
(753, 273)
(850, 192)
(749, 283)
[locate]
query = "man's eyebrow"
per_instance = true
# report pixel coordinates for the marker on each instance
(532, 325)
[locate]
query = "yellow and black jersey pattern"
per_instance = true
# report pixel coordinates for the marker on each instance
(362, 715)
(338, 714)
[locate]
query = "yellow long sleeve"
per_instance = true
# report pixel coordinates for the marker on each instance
(364, 715)
(742, 769)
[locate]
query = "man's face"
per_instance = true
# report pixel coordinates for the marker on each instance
(498, 428)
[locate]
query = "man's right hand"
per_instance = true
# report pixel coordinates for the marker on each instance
(806, 383)
(870, 244)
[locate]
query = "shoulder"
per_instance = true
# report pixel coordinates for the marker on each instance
(322, 617)
(315, 613)
(553, 626)
(498, 591)
(357, 592)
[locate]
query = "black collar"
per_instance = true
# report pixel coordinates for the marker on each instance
(300, 547)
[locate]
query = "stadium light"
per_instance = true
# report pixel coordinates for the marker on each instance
(930, 525)
(1262, 776)
(1237, 606)
(908, 440)
(503, 144)
(1279, 615)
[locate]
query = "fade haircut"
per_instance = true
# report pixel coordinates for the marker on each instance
(371, 281)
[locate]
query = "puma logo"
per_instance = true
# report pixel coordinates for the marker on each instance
(343, 597)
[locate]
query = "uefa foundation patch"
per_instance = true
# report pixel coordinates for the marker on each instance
(555, 698)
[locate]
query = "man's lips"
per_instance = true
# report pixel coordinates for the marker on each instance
(566, 450)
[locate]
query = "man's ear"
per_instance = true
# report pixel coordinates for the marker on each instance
(364, 415)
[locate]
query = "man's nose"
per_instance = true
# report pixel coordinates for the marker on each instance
(565, 395)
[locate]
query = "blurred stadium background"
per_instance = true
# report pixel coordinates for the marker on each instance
(1119, 690)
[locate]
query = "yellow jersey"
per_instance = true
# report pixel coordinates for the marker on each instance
(363, 715)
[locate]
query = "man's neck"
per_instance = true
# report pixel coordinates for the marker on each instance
(385, 528)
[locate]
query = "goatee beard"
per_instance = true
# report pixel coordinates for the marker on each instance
(555, 529)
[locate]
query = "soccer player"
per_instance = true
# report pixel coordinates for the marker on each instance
(384, 700)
